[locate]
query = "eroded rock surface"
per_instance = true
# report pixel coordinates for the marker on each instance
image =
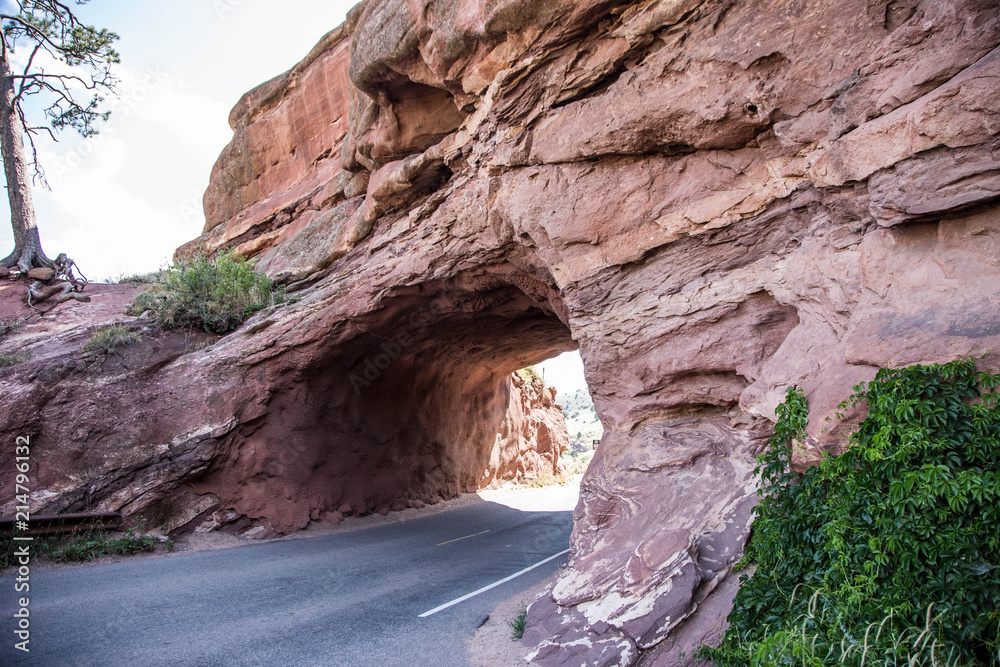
(712, 200)
(158, 429)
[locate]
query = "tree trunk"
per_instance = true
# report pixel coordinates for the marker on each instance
(27, 244)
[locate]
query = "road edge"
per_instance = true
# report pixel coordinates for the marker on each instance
(492, 645)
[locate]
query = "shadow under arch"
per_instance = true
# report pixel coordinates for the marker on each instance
(403, 413)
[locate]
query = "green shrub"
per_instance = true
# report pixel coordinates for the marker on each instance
(576, 462)
(517, 625)
(95, 545)
(8, 359)
(890, 553)
(530, 375)
(140, 278)
(215, 295)
(110, 338)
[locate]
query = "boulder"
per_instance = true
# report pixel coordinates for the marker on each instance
(42, 273)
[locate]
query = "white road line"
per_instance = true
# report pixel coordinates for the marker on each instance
(459, 539)
(493, 585)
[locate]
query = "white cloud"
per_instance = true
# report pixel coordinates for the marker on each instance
(196, 119)
(114, 232)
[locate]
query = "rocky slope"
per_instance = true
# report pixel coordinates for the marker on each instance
(531, 438)
(713, 200)
(89, 453)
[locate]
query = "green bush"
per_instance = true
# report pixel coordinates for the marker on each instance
(517, 625)
(530, 375)
(108, 339)
(8, 359)
(91, 546)
(889, 553)
(140, 278)
(215, 295)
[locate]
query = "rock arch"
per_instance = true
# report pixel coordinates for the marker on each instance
(414, 408)
(713, 200)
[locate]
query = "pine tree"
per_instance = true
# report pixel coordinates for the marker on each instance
(79, 60)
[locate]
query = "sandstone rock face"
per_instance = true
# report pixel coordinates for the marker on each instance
(712, 200)
(531, 438)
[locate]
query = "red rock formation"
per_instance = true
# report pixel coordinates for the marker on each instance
(713, 200)
(531, 438)
(183, 432)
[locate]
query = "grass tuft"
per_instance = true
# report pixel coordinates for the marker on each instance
(79, 547)
(108, 339)
(140, 278)
(517, 625)
(8, 359)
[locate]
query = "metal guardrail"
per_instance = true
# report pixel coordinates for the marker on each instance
(64, 523)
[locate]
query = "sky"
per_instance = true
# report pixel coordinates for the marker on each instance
(564, 372)
(120, 203)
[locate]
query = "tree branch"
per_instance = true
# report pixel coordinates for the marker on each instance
(27, 68)
(92, 85)
(52, 27)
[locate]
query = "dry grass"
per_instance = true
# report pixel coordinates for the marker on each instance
(109, 339)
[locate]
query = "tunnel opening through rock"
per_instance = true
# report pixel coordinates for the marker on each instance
(584, 428)
(406, 405)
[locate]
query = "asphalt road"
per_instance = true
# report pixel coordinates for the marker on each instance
(343, 599)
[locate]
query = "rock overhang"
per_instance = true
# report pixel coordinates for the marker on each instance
(706, 200)
(713, 201)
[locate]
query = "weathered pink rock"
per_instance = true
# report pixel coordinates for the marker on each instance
(531, 437)
(904, 269)
(680, 649)
(713, 201)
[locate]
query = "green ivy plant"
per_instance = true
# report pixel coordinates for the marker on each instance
(887, 554)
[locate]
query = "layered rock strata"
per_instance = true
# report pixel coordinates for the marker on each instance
(713, 200)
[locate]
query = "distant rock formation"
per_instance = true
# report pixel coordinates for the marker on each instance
(582, 423)
(531, 438)
(712, 200)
